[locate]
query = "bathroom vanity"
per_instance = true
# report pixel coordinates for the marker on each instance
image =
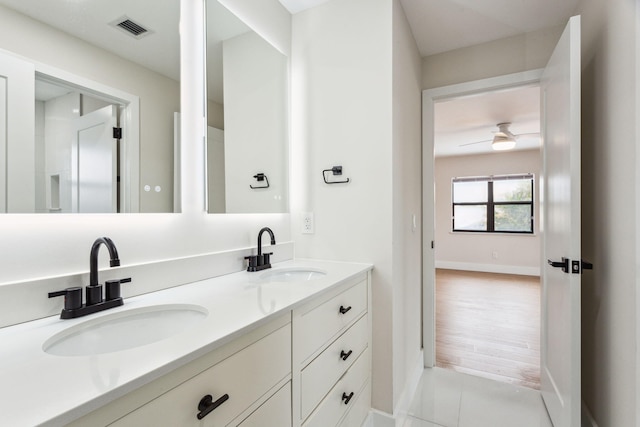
(285, 347)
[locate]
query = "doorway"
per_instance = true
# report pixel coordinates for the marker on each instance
(487, 234)
(560, 352)
(497, 258)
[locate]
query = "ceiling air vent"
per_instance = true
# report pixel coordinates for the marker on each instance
(130, 27)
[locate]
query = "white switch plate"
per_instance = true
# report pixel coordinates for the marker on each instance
(307, 223)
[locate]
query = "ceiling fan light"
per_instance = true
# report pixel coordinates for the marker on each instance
(502, 143)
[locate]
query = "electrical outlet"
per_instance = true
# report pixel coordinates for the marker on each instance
(307, 223)
(494, 254)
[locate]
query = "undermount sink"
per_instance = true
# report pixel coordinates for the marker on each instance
(124, 330)
(294, 274)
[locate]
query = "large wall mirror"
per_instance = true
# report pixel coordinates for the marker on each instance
(71, 72)
(247, 117)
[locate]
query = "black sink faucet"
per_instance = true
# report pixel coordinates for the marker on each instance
(73, 306)
(114, 261)
(261, 261)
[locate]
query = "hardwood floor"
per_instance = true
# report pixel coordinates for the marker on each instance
(489, 325)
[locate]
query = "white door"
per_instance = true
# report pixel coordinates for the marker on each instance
(17, 135)
(94, 165)
(560, 329)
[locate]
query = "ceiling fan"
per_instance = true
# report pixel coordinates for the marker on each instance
(503, 138)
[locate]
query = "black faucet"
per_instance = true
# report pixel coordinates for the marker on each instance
(261, 261)
(73, 306)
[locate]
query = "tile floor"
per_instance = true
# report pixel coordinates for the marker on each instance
(445, 398)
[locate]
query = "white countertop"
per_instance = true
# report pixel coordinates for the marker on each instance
(38, 388)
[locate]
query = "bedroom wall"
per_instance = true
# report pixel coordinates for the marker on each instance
(498, 253)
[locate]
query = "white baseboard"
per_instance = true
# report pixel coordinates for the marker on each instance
(489, 268)
(382, 419)
(379, 419)
(587, 418)
(410, 387)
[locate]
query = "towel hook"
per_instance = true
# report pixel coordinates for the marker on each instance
(260, 177)
(336, 170)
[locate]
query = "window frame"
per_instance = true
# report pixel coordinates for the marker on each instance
(491, 204)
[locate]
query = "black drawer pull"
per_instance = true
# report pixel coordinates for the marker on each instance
(344, 310)
(344, 355)
(207, 405)
(347, 397)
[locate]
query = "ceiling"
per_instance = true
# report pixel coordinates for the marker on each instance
(466, 126)
(89, 21)
(443, 25)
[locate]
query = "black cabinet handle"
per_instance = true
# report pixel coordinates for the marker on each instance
(344, 355)
(207, 405)
(343, 310)
(347, 397)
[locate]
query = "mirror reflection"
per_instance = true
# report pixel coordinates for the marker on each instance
(247, 104)
(91, 91)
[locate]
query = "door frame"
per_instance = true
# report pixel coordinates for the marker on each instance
(429, 98)
(129, 117)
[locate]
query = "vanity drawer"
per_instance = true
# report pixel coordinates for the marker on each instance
(274, 412)
(245, 377)
(321, 374)
(358, 412)
(333, 407)
(321, 323)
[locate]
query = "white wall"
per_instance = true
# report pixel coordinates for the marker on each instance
(609, 214)
(341, 115)
(516, 254)
(216, 195)
(255, 125)
(407, 203)
(41, 203)
(59, 115)
(215, 115)
(515, 54)
(269, 18)
(159, 95)
(356, 103)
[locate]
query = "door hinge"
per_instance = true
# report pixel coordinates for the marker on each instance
(117, 133)
(433, 245)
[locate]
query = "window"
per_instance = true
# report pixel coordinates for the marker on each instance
(493, 204)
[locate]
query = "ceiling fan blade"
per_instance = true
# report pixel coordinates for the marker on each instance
(476, 142)
(526, 135)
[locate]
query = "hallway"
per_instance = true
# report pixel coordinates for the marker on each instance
(445, 398)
